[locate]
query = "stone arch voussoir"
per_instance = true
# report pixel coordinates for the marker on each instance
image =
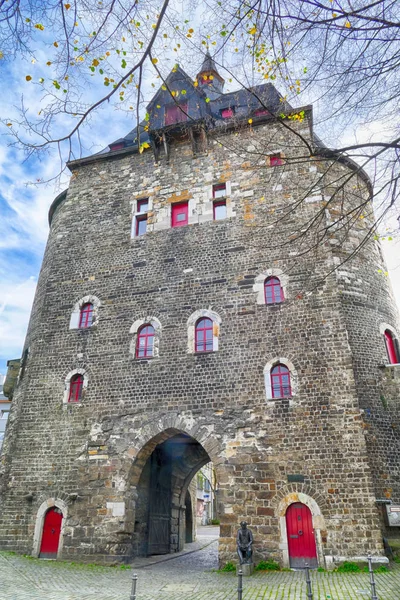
(160, 430)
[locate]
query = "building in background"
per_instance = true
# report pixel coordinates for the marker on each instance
(206, 495)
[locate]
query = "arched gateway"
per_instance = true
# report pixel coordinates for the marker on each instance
(161, 474)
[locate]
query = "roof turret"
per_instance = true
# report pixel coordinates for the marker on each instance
(209, 79)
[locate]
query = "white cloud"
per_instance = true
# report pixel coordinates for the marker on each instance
(15, 308)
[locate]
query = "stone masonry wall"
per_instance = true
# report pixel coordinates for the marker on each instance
(368, 307)
(90, 454)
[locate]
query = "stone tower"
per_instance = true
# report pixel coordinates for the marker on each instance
(208, 292)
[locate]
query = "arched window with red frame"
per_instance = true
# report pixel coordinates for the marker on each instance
(280, 382)
(86, 315)
(75, 388)
(391, 347)
(204, 335)
(273, 291)
(145, 342)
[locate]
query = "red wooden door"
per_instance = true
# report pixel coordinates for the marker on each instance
(51, 533)
(301, 541)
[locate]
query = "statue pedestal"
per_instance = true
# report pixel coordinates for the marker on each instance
(247, 569)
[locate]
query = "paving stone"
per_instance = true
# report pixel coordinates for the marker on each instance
(189, 577)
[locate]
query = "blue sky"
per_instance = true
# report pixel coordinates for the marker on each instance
(24, 205)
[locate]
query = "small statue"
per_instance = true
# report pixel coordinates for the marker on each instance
(244, 541)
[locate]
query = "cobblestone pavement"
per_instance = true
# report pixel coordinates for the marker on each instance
(188, 577)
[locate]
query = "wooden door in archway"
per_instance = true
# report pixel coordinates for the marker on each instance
(188, 519)
(51, 533)
(301, 540)
(159, 517)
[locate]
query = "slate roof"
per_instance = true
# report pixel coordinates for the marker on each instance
(202, 105)
(209, 65)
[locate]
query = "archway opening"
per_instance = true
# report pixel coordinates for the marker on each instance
(167, 493)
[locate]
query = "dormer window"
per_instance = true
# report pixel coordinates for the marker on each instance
(176, 113)
(118, 146)
(206, 79)
(227, 113)
(260, 112)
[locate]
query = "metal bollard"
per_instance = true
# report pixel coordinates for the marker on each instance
(371, 579)
(240, 584)
(133, 591)
(308, 581)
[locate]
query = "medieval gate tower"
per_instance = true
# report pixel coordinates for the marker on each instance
(208, 292)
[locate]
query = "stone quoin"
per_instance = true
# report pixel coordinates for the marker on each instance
(188, 309)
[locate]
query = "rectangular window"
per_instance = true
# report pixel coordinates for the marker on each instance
(140, 219)
(227, 113)
(180, 214)
(219, 190)
(219, 210)
(141, 225)
(176, 113)
(143, 205)
(275, 160)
